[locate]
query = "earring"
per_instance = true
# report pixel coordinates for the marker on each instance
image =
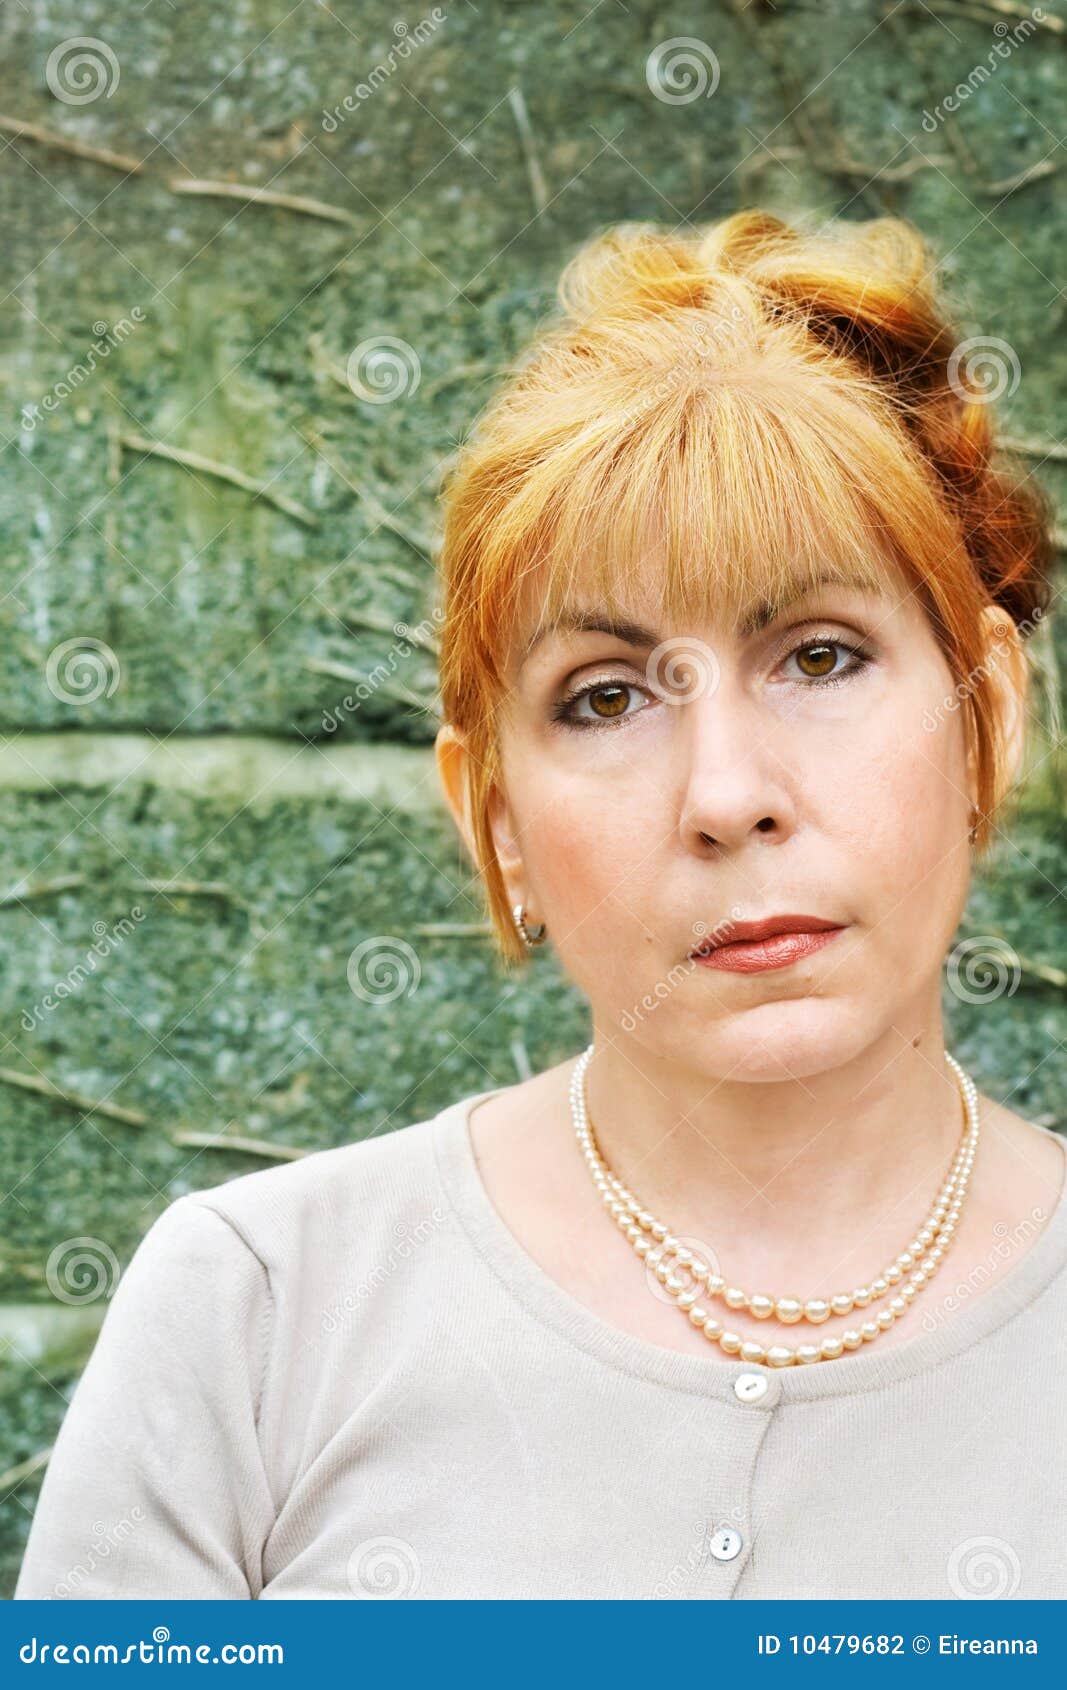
(531, 937)
(975, 818)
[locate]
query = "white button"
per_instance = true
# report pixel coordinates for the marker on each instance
(750, 1387)
(726, 1543)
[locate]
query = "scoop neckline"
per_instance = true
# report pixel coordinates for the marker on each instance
(864, 1370)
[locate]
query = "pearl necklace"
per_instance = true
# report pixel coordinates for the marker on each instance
(663, 1252)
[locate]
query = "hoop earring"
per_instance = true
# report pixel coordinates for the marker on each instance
(530, 937)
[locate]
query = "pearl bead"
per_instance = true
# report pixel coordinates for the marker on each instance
(682, 1272)
(816, 1309)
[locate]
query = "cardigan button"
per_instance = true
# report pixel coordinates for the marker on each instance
(726, 1544)
(758, 1390)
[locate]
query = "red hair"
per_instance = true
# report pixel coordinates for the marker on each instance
(725, 400)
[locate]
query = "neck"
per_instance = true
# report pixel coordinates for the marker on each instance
(791, 1182)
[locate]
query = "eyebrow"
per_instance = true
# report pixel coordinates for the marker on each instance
(636, 634)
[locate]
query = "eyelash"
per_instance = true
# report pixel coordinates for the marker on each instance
(562, 711)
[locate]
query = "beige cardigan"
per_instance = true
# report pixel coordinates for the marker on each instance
(344, 1377)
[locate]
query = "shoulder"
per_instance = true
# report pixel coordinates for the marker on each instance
(1034, 1153)
(344, 1195)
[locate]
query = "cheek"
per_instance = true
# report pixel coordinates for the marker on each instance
(908, 825)
(591, 855)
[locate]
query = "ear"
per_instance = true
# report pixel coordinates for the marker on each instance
(1007, 672)
(453, 760)
(453, 765)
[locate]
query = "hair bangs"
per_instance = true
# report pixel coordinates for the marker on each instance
(717, 504)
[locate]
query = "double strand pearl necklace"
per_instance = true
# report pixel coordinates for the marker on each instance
(662, 1251)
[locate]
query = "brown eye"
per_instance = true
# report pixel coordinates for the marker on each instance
(600, 704)
(816, 661)
(608, 701)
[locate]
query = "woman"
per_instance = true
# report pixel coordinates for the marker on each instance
(761, 1298)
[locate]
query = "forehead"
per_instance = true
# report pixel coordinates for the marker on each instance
(640, 607)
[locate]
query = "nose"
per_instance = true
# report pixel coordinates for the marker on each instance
(736, 787)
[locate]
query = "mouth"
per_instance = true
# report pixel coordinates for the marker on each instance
(776, 941)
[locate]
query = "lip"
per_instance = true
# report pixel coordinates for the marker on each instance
(775, 941)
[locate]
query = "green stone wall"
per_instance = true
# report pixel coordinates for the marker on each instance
(180, 632)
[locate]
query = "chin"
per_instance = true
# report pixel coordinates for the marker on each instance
(780, 1041)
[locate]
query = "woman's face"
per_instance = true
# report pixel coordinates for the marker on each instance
(661, 783)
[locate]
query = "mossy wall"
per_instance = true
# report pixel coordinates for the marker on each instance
(212, 522)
